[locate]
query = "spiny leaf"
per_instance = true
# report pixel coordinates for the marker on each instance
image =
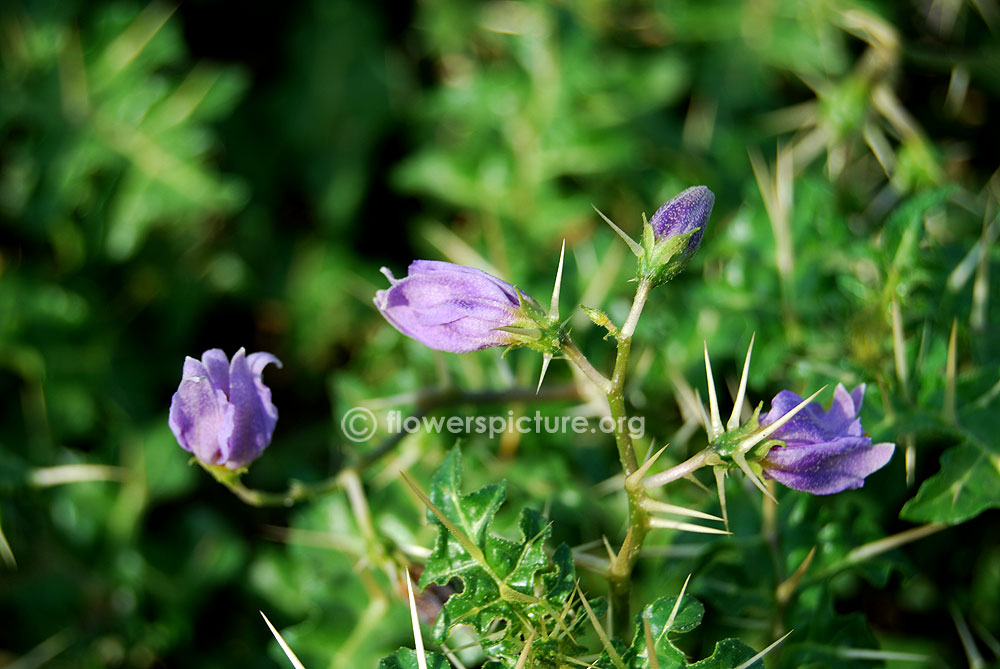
(511, 581)
(728, 653)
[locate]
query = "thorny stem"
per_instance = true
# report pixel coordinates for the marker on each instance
(620, 571)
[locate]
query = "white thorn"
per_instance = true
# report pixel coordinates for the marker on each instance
(635, 248)
(677, 605)
(608, 548)
(656, 506)
(741, 462)
(749, 663)
(713, 400)
(418, 638)
(703, 414)
(664, 524)
(522, 659)
(284, 646)
(546, 359)
(720, 485)
(554, 305)
(651, 458)
(734, 418)
(757, 437)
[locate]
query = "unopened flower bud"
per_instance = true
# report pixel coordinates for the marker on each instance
(674, 233)
(458, 309)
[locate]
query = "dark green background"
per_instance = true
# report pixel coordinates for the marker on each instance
(227, 175)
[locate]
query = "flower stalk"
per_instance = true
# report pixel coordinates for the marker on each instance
(620, 571)
(297, 490)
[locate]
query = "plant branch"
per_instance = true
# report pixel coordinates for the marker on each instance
(570, 350)
(620, 571)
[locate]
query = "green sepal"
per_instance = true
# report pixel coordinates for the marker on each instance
(224, 475)
(662, 260)
(727, 443)
(532, 309)
(601, 319)
(536, 330)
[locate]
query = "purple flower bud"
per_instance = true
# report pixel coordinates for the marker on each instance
(450, 307)
(682, 214)
(825, 451)
(222, 411)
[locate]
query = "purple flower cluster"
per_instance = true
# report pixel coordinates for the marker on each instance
(222, 411)
(825, 452)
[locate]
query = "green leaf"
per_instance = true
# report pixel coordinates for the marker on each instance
(969, 480)
(404, 658)
(728, 653)
(512, 581)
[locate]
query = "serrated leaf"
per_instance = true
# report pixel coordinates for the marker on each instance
(728, 653)
(502, 580)
(405, 658)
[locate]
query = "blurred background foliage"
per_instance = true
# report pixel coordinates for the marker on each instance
(179, 178)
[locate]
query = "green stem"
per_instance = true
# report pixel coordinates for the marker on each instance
(620, 571)
(570, 350)
(296, 492)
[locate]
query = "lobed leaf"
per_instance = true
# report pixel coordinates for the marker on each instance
(513, 583)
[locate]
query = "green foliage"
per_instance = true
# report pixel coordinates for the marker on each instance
(130, 149)
(969, 480)
(662, 619)
(517, 583)
(174, 179)
(404, 658)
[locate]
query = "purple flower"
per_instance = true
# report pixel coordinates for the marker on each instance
(222, 411)
(825, 451)
(450, 307)
(682, 214)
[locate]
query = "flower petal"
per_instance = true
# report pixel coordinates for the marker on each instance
(828, 467)
(683, 213)
(217, 364)
(474, 280)
(812, 424)
(200, 415)
(255, 419)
